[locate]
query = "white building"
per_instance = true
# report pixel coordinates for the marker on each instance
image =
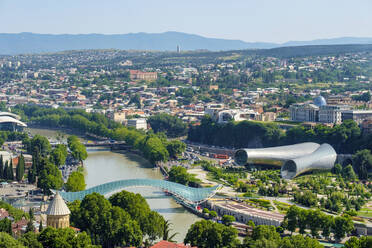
(332, 113)
(357, 115)
(137, 123)
(304, 112)
(236, 115)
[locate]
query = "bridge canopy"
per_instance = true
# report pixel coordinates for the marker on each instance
(186, 194)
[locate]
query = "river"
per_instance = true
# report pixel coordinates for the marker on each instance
(104, 166)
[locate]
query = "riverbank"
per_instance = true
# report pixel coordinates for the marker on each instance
(103, 166)
(107, 166)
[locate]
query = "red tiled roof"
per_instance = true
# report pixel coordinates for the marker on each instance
(167, 244)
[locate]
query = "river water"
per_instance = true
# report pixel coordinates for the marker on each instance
(104, 166)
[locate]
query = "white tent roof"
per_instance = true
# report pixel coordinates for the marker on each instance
(10, 115)
(5, 119)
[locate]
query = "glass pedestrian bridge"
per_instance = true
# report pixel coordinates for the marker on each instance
(183, 193)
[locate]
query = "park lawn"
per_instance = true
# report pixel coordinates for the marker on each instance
(211, 177)
(365, 212)
(282, 206)
(261, 203)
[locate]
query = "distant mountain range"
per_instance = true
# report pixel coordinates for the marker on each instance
(11, 44)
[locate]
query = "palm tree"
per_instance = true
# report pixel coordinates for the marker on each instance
(167, 230)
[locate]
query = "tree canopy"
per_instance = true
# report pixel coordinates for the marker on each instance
(171, 125)
(208, 234)
(75, 182)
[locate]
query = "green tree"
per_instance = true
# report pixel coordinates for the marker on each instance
(59, 155)
(362, 242)
(41, 144)
(303, 220)
(6, 171)
(1, 167)
(50, 176)
(178, 174)
(20, 169)
(265, 232)
(299, 241)
(353, 242)
(292, 218)
(40, 226)
(213, 214)
(108, 225)
(166, 231)
(154, 150)
(337, 169)
(348, 173)
(251, 224)
(10, 173)
(315, 221)
(134, 204)
(327, 225)
(78, 150)
(228, 219)
(30, 227)
(175, 148)
(171, 125)
(31, 214)
(7, 241)
(30, 240)
(208, 234)
(154, 226)
(362, 161)
(6, 226)
(64, 237)
(263, 236)
(31, 175)
(342, 226)
(75, 182)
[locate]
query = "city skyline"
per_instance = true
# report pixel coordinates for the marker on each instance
(253, 21)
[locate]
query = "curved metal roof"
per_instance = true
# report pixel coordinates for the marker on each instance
(274, 155)
(58, 206)
(187, 194)
(323, 158)
(8, 119)
(15, 116)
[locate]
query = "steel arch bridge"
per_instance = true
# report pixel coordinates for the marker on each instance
(186, 194)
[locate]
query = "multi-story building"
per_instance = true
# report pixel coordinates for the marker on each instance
(357, 115)
(119, 117)
(140, 75)
(236, 115)
(332, 113)
(137, 123)
(304, 112)
(338, 99)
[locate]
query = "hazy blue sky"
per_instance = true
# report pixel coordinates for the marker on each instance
(248, 20)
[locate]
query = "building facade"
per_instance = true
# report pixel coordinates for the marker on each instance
(332, 113)
(137, 123)
(357, 115)
(304, 112)
(141, 75)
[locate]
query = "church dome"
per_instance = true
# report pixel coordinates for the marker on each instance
(320, 101)
(58, 206)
